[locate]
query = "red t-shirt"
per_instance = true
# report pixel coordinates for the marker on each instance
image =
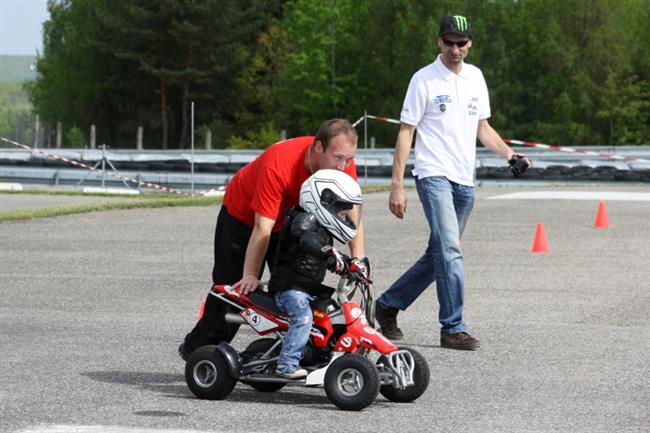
(270, 184)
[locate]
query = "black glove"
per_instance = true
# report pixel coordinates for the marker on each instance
(518, 164)
(360, 268)
(337, 262)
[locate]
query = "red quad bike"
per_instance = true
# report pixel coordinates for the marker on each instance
(345, 354)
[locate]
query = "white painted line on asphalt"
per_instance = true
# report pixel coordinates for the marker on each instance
(574, 195)
(214, 193)
(108, 429)
(96, 190)
(4, 186)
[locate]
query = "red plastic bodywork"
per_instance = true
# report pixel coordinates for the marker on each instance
(359, 332)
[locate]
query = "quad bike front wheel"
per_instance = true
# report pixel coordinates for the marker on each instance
(254, 351)
(206, 374)
(421, 377)
(352, 382)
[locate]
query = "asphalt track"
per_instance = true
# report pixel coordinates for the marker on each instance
(92, 308)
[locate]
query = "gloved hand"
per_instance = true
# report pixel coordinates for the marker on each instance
(337, 262)
(360, 268)
(518, 164)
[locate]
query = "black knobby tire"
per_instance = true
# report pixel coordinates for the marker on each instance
(421, 377)
(352, 382)
(256, 349)
(206, 374)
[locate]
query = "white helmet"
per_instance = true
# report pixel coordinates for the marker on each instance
(328, 192)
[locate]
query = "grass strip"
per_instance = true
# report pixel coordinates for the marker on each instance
(130, 204)
(149, 200)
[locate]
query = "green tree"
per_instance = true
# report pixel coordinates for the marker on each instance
(314, 80)
(124, 64)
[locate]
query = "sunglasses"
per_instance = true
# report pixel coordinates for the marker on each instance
(459, 44)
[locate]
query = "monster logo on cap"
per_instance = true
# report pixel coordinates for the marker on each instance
(461, 22)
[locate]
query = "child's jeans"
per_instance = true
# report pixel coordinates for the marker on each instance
(296, 304)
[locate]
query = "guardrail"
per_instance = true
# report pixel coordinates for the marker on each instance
(173, 168)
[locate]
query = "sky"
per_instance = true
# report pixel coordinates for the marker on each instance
(21, 26)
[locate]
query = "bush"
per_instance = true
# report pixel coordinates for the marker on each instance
(255, 140)
(75, 138)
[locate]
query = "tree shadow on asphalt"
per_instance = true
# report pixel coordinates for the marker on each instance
(173, 385)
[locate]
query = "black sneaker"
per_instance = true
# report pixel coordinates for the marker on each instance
(387, 319)
(459, 341)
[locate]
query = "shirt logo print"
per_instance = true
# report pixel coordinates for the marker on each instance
(441, 99)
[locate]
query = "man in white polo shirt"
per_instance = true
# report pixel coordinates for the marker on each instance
(448, 102)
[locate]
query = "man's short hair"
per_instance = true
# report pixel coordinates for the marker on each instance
(333, 128)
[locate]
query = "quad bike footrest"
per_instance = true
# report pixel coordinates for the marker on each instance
(269, 378)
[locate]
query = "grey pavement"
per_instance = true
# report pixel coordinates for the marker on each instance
(93, 306)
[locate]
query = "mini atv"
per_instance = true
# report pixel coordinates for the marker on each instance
(339, 355)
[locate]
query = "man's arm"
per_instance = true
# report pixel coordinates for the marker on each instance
(258, 244)
(357, 248)
(493, 141)
(397, 199)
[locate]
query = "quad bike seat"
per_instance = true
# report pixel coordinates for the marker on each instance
(266, 300)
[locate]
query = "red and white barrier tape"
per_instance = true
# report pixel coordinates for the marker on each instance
(573, 150)
(369, 116)
(532, 144)
(110, 173)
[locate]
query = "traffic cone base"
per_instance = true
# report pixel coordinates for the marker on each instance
(539, 244)
(601, 217)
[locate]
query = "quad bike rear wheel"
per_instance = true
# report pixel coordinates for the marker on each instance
(254, 351)
(206, 374)
(421, 377)
(352, 382)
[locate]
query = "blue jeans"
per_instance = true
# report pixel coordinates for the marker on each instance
(447, 206)
(296, 304)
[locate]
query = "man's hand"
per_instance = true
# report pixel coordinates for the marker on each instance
(258, 244)
(397, 201)
(518, 163)
(248, 284)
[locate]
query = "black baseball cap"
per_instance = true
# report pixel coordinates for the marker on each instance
(457, 24)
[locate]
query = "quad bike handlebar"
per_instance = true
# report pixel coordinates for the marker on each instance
(347, 288)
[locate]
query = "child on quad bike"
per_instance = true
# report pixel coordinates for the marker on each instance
(305, 252)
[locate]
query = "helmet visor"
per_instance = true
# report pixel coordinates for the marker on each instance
(343, 210)
(350, 215)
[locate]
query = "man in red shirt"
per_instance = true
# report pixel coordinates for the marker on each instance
(253, 212)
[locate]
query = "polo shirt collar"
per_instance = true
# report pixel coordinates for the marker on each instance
(445, 73)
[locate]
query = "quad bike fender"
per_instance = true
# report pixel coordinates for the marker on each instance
(231, 357)
(360, 333)
(317, 377)
(367, 337)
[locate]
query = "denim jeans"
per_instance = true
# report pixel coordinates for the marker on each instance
(296, 304)
(447, 206)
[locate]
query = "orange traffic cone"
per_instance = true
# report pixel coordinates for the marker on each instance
(539, 244)
(601, 217)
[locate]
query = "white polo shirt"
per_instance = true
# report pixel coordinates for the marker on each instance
(445, 108)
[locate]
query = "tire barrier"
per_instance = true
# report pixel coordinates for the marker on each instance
(554, 172)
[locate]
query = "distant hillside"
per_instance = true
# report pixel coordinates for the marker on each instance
(16, 69)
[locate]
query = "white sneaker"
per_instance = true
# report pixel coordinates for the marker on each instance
(291, 372)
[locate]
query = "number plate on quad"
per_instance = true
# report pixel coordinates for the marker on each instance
(258, 322)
